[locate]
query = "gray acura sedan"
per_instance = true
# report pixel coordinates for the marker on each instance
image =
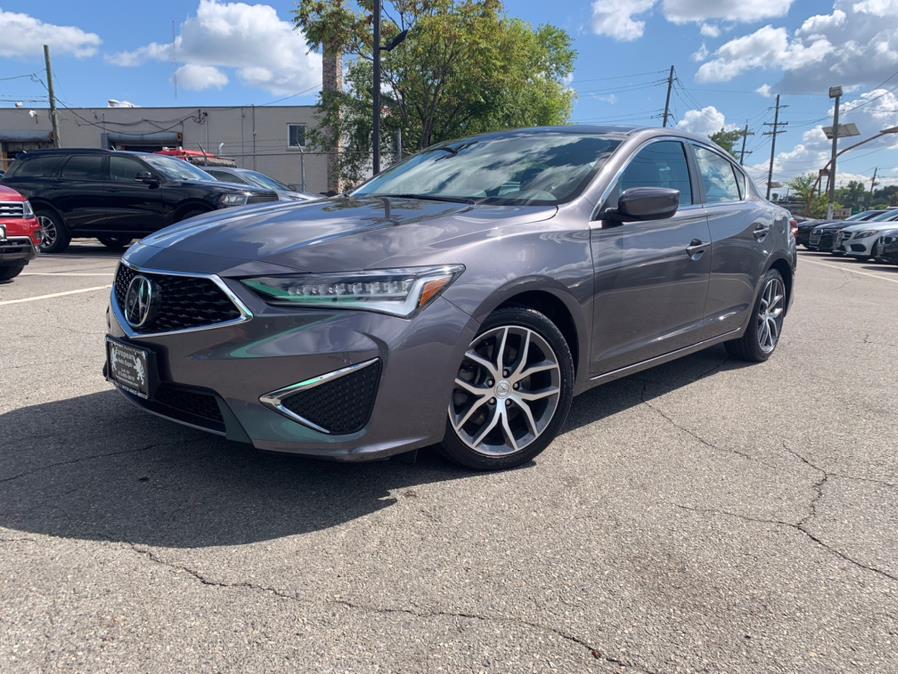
(460, 298)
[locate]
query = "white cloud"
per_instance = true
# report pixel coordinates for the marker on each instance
(855, 44)
(116, 103)
(264, 50)
(614, 18)
(26, 36)
(198, 78)
(766, 47)
(701, 54)
(765, 90)
(706, 121)
(623, 19)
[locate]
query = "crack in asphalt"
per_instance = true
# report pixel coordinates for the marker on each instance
(802, 524)
(49, 466)
(688, 431)
(594, 651)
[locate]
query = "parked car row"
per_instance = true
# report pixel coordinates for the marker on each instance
(869, 235)
(117, 196)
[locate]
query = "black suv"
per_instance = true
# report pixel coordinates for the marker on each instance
(117, 196)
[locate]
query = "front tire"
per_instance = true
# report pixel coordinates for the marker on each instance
(512, 393)
(55, 236)
(10, 271)
(766, 324)
(115, 242)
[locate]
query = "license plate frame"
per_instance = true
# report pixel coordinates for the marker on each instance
(130, 367)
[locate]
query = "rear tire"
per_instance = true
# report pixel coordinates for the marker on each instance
(766, 323)
(115, 242)
(10, 271)
(512, 393)
(55, 236)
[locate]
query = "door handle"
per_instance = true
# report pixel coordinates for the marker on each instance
(696, 247)
(760, 231)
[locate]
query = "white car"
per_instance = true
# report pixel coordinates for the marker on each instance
(860, 241)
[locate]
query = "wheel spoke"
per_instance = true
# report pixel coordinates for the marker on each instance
(530, 371)
(509, 434)
(486, 429)
(774, 330)
(528, 414)
(476, 405)
(500, 356)
(483, 362)
(478, 391)
(525, 352)
(537, 395)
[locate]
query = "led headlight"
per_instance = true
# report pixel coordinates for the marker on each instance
(400, 292)
(232, 199)
(864, 234)
(27, 211)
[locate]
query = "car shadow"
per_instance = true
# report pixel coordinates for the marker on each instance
(95, 468)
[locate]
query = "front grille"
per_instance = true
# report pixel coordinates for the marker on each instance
(184, 301)
(261, 198)
(340, 406)
(858, 248)
(189, 402)
(18, 246)
(12, 209)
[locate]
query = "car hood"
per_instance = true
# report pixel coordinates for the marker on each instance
(871, 226)
(337, 234)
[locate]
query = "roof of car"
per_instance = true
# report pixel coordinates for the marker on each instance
(77, 150)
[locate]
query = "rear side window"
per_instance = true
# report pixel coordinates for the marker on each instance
(661, 164)
(718, 177)
(125, 169)
(38, 167)
(226, 177)
(84, 167)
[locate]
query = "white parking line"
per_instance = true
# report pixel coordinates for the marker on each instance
(66, 273)
(804, 260)
(51, 296)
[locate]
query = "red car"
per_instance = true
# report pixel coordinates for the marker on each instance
(20, 233)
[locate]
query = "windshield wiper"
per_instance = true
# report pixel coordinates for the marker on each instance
(428, 197)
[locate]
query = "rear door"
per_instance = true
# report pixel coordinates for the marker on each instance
(135, 206)
(81, 197)
(651, 278)
(741, 226)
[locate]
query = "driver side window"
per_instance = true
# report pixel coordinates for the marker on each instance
(661, 164)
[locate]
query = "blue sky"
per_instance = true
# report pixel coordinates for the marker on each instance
(730, 57)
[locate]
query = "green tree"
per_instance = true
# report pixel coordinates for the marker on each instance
(727, 139)
(464, 68)
(853, 195)
(804, 188)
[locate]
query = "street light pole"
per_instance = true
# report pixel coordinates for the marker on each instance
(836, 93)
(375, 93)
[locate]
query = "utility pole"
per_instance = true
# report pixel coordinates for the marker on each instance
(776, 129)
(745, 134)
(54, 119)
(872, 185)
(375, 93)
(670, 81)
(836, 93)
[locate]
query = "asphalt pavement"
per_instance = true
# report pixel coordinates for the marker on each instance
(701, 516)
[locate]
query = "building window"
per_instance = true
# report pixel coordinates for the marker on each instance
(296, 135)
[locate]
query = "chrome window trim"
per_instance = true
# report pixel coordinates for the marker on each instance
(245, 313)
(617, 174)
(274, 399)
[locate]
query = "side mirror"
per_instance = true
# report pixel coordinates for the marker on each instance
(644, 203)
(146, 177)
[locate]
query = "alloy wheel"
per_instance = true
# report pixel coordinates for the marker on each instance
(506, 392)
(770, 314)
(49, 234)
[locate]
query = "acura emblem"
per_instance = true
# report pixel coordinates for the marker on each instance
(140, 301)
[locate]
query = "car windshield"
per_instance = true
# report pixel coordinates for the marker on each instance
(176, 169)
(528, 168)
(884, 217)
(262, 180)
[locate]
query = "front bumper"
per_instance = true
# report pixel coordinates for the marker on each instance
(15, 249)
(859, 248)
(239, 366)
